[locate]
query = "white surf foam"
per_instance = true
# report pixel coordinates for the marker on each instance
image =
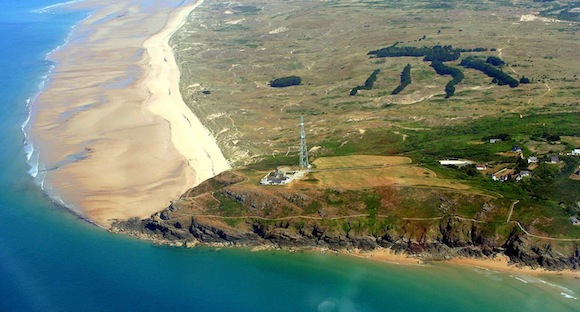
(33, 161)
(567, 296)
(32, 155)
(29, 150)
(519, 279)
(52, 7)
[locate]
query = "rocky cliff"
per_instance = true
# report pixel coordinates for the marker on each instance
(221, 212)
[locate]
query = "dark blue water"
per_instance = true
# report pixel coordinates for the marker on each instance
(52, 261)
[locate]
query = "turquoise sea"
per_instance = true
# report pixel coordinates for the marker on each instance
(52, 261)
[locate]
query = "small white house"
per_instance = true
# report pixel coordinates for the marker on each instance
(532, 159)
(455, 162)
(492, 141)
(523, 174)
(575, 152)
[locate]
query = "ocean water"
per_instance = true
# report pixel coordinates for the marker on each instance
(52, 261)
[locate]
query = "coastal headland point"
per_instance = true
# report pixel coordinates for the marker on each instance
(387, 88)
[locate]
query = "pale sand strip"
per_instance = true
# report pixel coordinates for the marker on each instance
(141, 151)
(500, 263)
(205, 155)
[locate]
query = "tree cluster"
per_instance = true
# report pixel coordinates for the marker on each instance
(395, 51)
(405, 79)
(286, 82)
(369, 83)
(499, 76)
(440, 53)
(501, 136)
(495, 61)
(474, 50)
(551, 137)
(456, 73)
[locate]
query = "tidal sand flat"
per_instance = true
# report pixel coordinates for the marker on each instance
(114, 138)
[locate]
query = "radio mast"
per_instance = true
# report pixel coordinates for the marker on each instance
(303, 149)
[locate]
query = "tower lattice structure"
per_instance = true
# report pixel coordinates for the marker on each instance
(303, 150)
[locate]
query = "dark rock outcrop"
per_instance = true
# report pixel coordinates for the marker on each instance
(452, 238)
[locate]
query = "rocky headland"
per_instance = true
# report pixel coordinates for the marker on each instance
(194, 219)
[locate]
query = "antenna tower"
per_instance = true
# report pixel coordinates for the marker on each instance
(303, 150)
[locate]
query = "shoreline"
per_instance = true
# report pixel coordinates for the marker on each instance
(161, 64)
(499, 263)
(116, 145)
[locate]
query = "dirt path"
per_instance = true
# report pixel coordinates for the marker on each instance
(366, 215)
(511, 211)
(545, 237)
(268, 219)
(500, 54)
(533, 235)
(543, 95)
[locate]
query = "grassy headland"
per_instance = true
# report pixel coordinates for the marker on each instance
(235, 50)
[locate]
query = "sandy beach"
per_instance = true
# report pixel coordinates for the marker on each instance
(112, 130)
(499, 263)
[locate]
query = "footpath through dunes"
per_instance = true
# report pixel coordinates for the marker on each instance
(111, 129)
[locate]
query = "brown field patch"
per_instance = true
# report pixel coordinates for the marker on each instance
(359, 161)
(541, 147)
(341, 172)
(573, 140)
(509, 154)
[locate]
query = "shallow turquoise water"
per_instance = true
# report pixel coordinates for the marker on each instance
(52, 261)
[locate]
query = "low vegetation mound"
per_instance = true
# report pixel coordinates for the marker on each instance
(286, 82)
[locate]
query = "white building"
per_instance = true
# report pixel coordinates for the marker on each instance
(455, 162)
(532, 159)
(523, 174)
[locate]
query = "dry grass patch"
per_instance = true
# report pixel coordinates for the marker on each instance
(359, 161)
(540, 148)
(235, 52)
(571, 140)
(342, 172)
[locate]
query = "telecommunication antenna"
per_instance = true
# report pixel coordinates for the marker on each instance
(303, 150)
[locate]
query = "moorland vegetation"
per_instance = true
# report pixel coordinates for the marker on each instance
(430, 119)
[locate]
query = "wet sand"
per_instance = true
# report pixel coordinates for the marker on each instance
(111, 127)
